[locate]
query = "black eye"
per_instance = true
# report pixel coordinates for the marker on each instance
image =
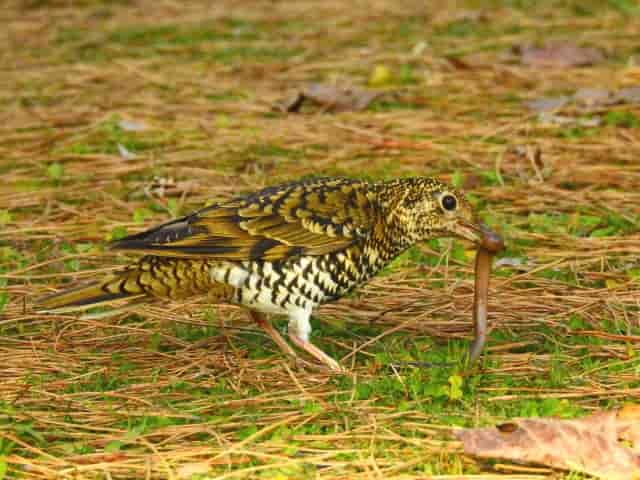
(449, 202)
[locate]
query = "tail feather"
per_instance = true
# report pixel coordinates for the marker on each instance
(81, 298)
(151, 276)
(115, 287)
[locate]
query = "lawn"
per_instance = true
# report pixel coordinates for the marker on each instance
(116, 116)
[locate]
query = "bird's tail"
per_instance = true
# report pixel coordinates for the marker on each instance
(151, 276)
(111, 289)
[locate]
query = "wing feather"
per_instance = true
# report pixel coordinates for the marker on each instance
(312, 217)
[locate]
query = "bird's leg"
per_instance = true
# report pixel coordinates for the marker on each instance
(299, 330)
(260, 319)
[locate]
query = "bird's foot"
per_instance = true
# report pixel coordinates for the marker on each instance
(326, 361)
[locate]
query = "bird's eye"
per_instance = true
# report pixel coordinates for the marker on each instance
(449, 202)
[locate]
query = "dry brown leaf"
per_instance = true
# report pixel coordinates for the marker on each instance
(559, 55)
(587, 99)
(628, 95)
(604, 444)
(593, 97)
(547, 104)
(332, 98)
(552, 119)
(459, 63)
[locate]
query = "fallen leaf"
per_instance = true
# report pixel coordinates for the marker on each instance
(628, 95)
(458, 63)
(593, 97)
(292, 103)
(587, 99)
(339, 99)
(332, 98)
(589, 122)
(559, 55)
(548, 104)
(604, 444)
(552, 119)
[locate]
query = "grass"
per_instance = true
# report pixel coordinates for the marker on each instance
(194, 391)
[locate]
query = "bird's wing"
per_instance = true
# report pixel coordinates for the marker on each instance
(312, 217)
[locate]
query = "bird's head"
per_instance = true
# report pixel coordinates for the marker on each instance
(424, 208)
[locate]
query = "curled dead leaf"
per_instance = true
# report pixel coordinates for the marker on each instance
(547, 104)
(604, 444)
(559, 55)
(628, 95)
(593, 97)
(587, 99)
(331, 98)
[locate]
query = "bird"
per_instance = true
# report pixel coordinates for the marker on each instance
(285, 249)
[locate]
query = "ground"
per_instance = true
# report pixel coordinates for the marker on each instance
(119, 115)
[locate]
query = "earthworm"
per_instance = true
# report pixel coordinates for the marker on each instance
(490, 244)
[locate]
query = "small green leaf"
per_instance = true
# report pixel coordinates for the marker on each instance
(455, 381)
(141, 214)
(622, 119)
(135, 432)
(222, 121)
(407, 75)
(291, 450)
(246, 432)
(73, 264)
(4, 296)
(83, 247)
(457, 179)
(27, 429)
(173, 207)
(455, 389)
(281, 433)
(5, 217)
(55, 171)
(458, 252)
(3, 467)
(634, 273)
(363, 391)
(604, 232)
(117, 233)
(113, 446)
(312, 407)
(154, 342)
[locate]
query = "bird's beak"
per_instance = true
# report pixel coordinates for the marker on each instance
(480, 234)
(468, 230)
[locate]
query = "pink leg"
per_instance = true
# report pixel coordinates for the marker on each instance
(260, 319)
